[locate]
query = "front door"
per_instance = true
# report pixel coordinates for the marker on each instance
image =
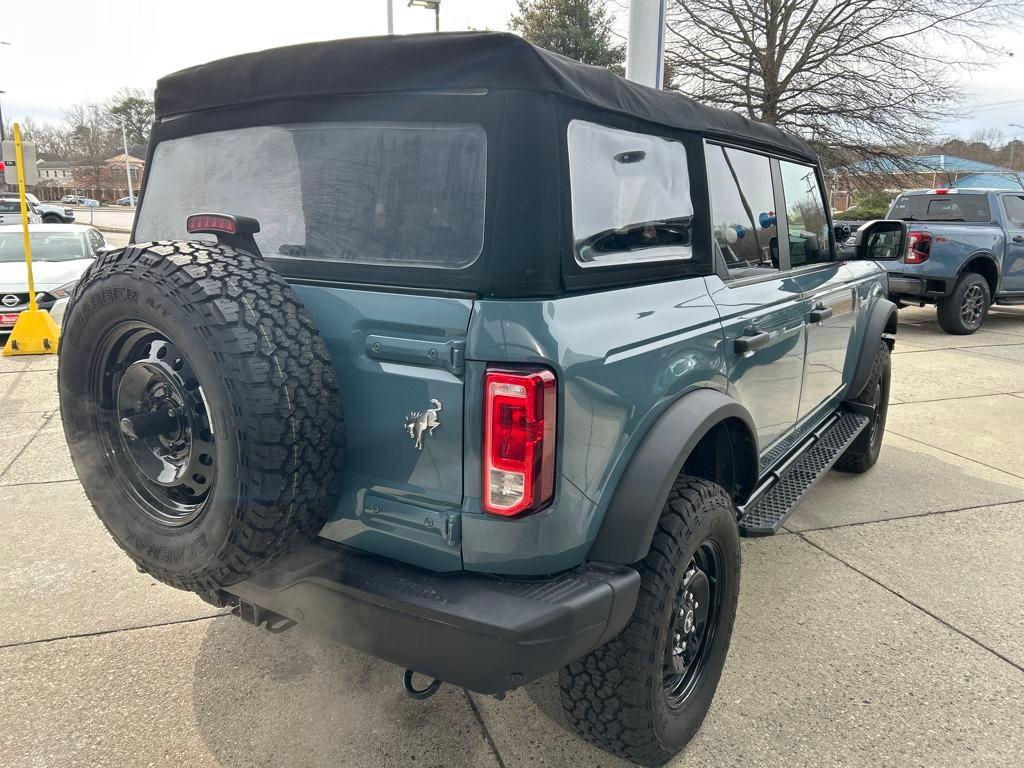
(761, 306)
(830, 300)
(1013, 261)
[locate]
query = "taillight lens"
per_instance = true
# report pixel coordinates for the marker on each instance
(919, 247)
(519, 440)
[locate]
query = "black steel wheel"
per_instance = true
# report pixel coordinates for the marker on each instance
(695, 619)
(201, 411)
(155, 423)
(644, 694)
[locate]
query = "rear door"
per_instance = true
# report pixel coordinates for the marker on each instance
(386, 198)
(760, 304)
(829, 296)
(1013, 261)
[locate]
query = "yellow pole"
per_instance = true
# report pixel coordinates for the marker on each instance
(24, 218)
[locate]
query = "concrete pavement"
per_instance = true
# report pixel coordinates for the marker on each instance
(887, 628)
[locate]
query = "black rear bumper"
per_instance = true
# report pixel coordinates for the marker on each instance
(484, 633)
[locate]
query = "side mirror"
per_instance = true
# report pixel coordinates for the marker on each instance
(881, 240)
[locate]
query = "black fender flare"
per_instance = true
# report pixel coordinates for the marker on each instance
(880, 322)
(628, 526)
(982, 256)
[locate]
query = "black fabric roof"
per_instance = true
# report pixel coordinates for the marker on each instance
(444, 61)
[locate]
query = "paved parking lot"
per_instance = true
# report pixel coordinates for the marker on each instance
(884, 627)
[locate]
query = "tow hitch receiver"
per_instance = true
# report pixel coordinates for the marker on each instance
(253, 614)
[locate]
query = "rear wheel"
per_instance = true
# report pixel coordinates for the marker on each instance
(201, 411)
(963, 311)
(644, 695)
(865, 449)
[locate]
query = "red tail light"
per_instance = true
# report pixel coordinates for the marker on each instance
(519, 440)
(919, 247)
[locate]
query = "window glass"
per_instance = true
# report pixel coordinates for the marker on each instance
(743, 210)
(366, 193)
(1014, 205)
(8, 207)
(805, 213)
(947, 207)
(630, 196)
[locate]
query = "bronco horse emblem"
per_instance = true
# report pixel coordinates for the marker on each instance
(419, 423)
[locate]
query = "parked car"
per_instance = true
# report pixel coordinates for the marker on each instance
(51, 213)
(965, 252)
(10, 212)
(582, 348)
(127, 201)
(70, 199)
(60, 253)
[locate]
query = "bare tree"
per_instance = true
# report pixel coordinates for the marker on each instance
(858, 78)
(92, 141)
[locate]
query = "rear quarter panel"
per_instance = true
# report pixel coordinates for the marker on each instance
(953, 244)
(621, 357)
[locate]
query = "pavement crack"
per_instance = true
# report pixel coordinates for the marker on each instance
(17, 455)
(483, 727)
(101, 632)
(954, 453)
(842, 526)
(918, 606)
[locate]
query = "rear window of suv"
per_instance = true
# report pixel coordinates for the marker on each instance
(949, 207)
(367, 193)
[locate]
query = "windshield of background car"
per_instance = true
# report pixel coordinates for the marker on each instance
(46, 246)
(630, 196)
(955, 207)
(366, 193)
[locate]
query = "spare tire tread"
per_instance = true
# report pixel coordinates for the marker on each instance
(284, 396)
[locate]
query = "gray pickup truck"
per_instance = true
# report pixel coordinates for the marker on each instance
(965, 252)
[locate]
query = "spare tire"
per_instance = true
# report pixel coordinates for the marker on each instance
(201, 411)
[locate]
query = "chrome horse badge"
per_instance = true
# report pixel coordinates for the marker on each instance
(419, 423)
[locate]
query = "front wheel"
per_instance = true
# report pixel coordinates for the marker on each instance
(644, 695)
(962, 312)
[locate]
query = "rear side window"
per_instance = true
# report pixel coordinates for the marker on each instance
(743, 210)
(809, 242)
(366, 193)
(630, 196)
(1014, 205)
(948, 207)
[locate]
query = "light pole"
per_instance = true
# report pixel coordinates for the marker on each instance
(1013, 144)
(2, 135)
(127, 165)
(429, 4)
(391, 16)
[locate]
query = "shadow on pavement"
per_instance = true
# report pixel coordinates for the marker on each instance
(295, 699)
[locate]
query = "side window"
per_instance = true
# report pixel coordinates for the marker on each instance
(7, 207)
(1014, 205)
(805, 212)
(630, 196)
(743, 210)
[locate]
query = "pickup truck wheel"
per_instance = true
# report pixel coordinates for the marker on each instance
(863, 452)
(644, 694)
(52, 218)
(201, 411)
(963, 311)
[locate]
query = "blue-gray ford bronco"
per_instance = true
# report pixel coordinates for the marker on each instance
(476, 359)
(965, 251)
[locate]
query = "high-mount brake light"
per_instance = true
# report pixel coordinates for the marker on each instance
(919, 247)
(519, 440)
(211, 222)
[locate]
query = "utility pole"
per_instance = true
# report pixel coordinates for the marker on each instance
(391, 16)
(127, 165)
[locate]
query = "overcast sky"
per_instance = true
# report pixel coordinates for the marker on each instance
(88, 51)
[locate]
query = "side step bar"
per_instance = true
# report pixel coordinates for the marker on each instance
(780, 492)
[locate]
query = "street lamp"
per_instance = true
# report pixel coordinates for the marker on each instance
(429, 4)
(127, 165)
(2, 136)
(1013, 144)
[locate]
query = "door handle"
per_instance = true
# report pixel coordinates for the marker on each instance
(1018, 239)
(819, 313)
(749, 340)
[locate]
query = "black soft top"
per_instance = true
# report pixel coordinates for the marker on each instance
(446, 62)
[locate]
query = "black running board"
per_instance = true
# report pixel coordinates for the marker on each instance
(780, 492)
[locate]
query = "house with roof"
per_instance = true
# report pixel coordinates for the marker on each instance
(895, 175)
